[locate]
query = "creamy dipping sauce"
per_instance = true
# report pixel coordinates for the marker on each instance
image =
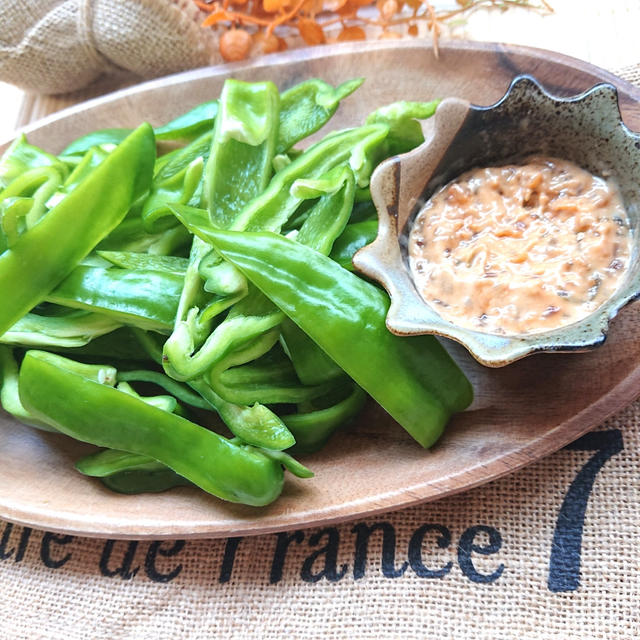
(520, 248)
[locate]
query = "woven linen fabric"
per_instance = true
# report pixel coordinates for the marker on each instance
(549, 552)
(63, 45)
(514, 559)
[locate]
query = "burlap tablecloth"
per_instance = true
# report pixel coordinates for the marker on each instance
(549, 552)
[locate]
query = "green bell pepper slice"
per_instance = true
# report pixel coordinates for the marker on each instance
(275, 205)
(67, 233)
(74, 329)
(238, 169)
(307, 107)
(187, 126)
(413, 378)
(191, 124)
(22, 156)
(256, 424)
(405, 132)
(39, 185)
(133, 260)
(355, 236)
(52, 390)
(244, 139)
(130, 473)
(312, 429)
(255, 314)
(102, 138)
(9, 394)
(179, 179)
(142, 298)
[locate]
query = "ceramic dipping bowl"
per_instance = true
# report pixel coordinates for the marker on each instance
(586, 129)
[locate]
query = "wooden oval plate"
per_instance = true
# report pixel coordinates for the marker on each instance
(521, 413)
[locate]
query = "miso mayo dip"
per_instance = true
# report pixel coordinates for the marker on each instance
(520, 249)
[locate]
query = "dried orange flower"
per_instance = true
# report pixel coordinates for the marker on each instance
(312, 8)
(349, 9)
(389, 9)
(310, 31)
(258, 26)
(235, 44)
(266, 42)
(270, 6)
(333, 5)
(352, 33)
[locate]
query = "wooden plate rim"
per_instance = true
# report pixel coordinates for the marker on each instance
(561, 435)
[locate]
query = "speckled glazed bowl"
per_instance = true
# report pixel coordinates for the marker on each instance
(586, 129)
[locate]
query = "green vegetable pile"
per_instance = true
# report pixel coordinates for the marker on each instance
(208, 262)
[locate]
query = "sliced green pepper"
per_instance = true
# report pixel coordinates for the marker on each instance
(143, 298)
(354, 237)
(187, 126)
(413, 379)
(73, 329)
(22, 156)
(179, 180)
(313, 429)
(307, 107)
(244, 139)
(52, 390)
(36, 184)
(179, 159)
(405, 132)
(133, 260)
(328, 217)
(68, 232)
(9, 395)
(191, 124)
(238, 169)
(99, 138)
(255, 314)
(86, 164)
(181, 188)
(248, 319)
(256, 425)
(273, 207)
(130, 473)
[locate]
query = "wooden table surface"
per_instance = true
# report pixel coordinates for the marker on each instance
(603, 32)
